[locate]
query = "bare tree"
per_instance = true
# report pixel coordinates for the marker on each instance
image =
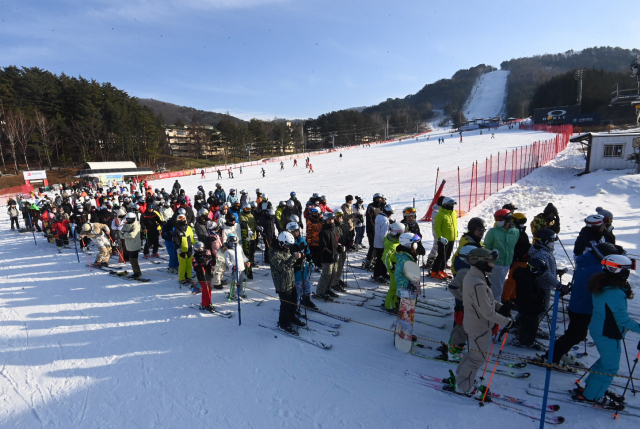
(47, 138)
(11, 133)
(2, 133)
(25, 129)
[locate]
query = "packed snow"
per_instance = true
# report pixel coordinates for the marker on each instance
(488, 96)
(82, 349)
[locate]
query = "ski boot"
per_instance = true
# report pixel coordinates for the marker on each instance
(604, 402)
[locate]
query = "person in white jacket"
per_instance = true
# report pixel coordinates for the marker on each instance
(166, 212)
(235, 265)
(381, 230)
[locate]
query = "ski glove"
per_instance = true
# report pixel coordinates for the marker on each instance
(341, 248)
(443, 241)
(504, 311)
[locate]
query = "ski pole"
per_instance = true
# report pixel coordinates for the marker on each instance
(33, 229)
(235, 248)
(75, 241)
(635, 362)
(568, 257)
(118, 250)
(552, 343)
(423, 291)
(504, 340)
(352, 273)
(633, 388)
(488, 359)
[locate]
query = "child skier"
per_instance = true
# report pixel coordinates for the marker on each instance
(529, 300)
(203, 264)
(302, 268)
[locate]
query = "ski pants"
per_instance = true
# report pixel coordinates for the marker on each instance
(509, 290)
(152, 241)
(287, 307)
(173, 255)
(303, 286)
(62, 240)
(370, 254)
(237, 283)
(184, 268)
(392, 299)
(472, 361)
(315, 255)
(576, 332)
(528, 327)
(133, 259)
(547, 302)
(104, 253)
(125, 253)
(444, 254)
(335, 281)
(458, 336)
(205, 288)
(379, 269)
(497, 277)
(359, 234)
(434, 248)
(15, 220)
(326, 278)
(608, 363)
(219, 270)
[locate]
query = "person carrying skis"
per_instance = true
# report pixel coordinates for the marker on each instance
(481, 314)
(503, 238)
(391, 242)
(446, 227)
(99, 234)
(302, 268)
(283, 262)
(609, 324)
(183, 240)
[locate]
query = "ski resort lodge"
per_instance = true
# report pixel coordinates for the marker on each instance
(608, 151)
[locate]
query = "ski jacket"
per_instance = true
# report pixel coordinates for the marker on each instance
(249, 226)
(455, 287)
(446, 224)
(324, 207)
(402, 256)
(201, 230)
(167, 230)
(610, 316)
(233, 198)
(389, 253)
(244, 199)
(314, 225)
(151, 221)
(130, 232)
(547, 280)
(220, 195)
(434, 213)
(529, 297)
(358, 215)
(235, 229)
(585, 237)
(268, 227)
(467, 238)
(285, 217)
(230, 259)
(414, 228)
(381, 230)
(99, 234)
(480, 309)
(198, 202)
(297, 206)
(60, 227)
(504, 242)
(184, 240)
(541, 222)
(347, 212)
(581, 300)
(166, 213)
(329, 237)
(301, 268)
(279, 212)
(521, 251)
(12, 211)
(202, 265)
(373, 210)
(282, 263)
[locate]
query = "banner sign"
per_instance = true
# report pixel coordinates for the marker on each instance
(555, 115)
(34, 175)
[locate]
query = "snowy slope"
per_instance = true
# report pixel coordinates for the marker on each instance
(81, 349)
(487, 96)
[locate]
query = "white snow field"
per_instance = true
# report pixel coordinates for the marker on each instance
(487, 96)
(82, 349)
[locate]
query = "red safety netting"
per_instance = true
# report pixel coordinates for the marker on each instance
(470, 186)
(12, 192)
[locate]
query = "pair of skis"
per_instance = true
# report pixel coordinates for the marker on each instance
(504, 372)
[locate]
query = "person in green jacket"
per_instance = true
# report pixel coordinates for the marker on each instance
(503, 238)
(249, 231)
(279, 210)
(391, 242)
(407, 250)
(446, 229)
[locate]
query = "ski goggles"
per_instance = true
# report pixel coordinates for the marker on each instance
(410, 211)
(416, 238)
(618, 266)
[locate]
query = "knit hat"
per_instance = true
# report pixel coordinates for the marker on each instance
(348, 198)
(608, 216)
(550, 209)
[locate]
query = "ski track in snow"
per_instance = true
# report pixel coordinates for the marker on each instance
(81, 349)
(488, 96)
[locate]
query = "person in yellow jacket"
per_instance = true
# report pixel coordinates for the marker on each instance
(446, 229)
(184, 240)
(391, 242)
(476, 227)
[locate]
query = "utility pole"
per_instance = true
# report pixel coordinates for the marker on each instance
(386, 130)
(578, 76)
(333, 138)
(417, 127)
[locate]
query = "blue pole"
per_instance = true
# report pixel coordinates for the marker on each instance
(552, 342)
(73, 232)
(33, 229)
(235, 249)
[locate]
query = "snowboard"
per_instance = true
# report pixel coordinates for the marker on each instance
(406, 310)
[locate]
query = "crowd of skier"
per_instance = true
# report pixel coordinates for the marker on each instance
(496, 272)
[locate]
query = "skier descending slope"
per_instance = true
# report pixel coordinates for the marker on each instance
(609, 324)
(480, 316)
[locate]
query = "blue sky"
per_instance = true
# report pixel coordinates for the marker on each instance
(293, 58)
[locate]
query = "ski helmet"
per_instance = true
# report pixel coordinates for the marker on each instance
(594, 220)
(203, 212)
(396, 228)
(315, 211)
(292, 193)
(464, 251)
(546, 236)
(619, 265)
(167, 204)
(252, 204)
(293, 226)
(271, 213)
(258, 191)
(448, 201)
(502, 215)
(232, 239)
(282, 204)
(339, 213)
(264, 197)
(211, 193)
(246, 207)
(537, 266)
(475, 223)
(121, 212)
(198, 246)
(376, 195)
(285, 239)
(131, 217)
(290, 204)
(181, 218)
(182, 211)
(294, 218)
(388, 209)
(232, 191)
(229, 219)
(218, 185)
(602, 250)
(408, 239)
(328, 216)
(481, 257)
(243, 192)
(519, 219)
(408, 211)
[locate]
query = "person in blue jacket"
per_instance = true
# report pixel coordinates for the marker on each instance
(302, 268)
(167, 236)
(609, 324)
(580, 303)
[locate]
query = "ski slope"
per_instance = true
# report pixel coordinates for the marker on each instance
(81, 349)
(487, 96)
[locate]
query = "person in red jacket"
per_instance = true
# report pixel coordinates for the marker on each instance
(60, 229)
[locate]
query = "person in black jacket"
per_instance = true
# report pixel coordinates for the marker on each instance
(297, 206)
(330, 248)
(520, 256)
(373, 210)
(343, 240)
(200, 228)
(529, 299)
(594, 231)
(409, 221)
(268, 224)
(151, 223)
(176, 187)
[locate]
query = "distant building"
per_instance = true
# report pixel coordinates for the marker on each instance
(608, 151)
(185, 141)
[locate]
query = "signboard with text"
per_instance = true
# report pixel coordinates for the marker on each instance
(35, 175)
